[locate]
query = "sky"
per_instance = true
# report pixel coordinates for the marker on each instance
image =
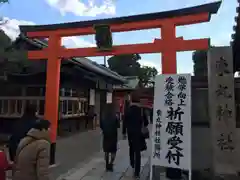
(30, 12)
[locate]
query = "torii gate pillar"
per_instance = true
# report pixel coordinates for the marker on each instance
(52, 82)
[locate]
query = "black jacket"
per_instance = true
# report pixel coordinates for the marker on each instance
(109, 125)
(135, 119)
(20, 131)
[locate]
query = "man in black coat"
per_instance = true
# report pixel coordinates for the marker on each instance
(135, 121)
(21, 129)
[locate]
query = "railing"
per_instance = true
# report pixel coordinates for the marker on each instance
(13, 107)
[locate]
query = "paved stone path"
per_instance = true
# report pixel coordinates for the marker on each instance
(94, 169)
(83, 150)
(75, 149)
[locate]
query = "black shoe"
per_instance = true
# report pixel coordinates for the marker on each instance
(110, 167)
(137, 177)
(107, 167)
(132, 165)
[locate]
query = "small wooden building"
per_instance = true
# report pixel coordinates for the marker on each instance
(21, 82)
(122, 93)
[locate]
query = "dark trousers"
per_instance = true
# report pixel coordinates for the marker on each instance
(86, 123)
(89, 122)
(12, 152)
(124, 128)
(135, 153)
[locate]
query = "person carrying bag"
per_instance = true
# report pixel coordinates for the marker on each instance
(134, 123)
(145, 130)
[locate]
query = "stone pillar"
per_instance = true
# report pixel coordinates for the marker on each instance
(222, 112)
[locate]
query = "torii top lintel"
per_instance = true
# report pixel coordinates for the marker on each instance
(178, 17)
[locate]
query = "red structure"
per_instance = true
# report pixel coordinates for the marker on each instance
(168, 45)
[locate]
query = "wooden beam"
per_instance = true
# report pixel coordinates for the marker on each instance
(132, 26)
(87, 52)
(117, 50)
(156, 47)
(191, 19)
(192, 45)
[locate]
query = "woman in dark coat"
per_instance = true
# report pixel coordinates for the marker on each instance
(109, 125)
(90, 119)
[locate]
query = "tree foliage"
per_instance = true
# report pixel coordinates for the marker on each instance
(128, 65)
(146, 75)
(5, 41)
(4, 1)
(200, 63)
(11, 59)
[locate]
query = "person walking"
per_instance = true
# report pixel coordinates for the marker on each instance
(124, 128)
(109, 125)
(91, 118)
(33, 154)
(21, 128)
(151, 115)
(135, 121)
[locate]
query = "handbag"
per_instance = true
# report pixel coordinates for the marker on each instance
(143, 144)
(145, 132)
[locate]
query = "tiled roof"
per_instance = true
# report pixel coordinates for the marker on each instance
(99, 68)
(84, 62)
(132, 83)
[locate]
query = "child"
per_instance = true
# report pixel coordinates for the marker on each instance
(4, 164)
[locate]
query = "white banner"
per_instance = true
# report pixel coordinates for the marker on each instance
(109, 97)
(171, 132)
(92, 97)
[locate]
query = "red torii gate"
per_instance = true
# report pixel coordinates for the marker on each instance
(168, 45)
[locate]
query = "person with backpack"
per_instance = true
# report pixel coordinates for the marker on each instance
(109, 125)
(33, 153)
